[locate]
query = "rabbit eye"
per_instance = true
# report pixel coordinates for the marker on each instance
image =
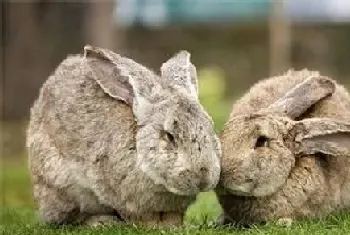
(169, 137)
(262, 141)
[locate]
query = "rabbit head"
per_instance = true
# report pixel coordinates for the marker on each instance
(176, 143)
(260, 150)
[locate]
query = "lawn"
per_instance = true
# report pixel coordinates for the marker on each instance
(18, 215)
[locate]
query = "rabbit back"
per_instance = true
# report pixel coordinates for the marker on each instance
(269, 90)
(78, 115)
(73, 123)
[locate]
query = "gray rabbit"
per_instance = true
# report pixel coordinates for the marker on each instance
(109, 140)
(286, 151)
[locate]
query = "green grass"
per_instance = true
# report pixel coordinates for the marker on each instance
(22, 221)
(18, 215)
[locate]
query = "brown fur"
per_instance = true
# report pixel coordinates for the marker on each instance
(303, 170)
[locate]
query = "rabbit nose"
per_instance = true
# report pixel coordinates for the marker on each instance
(202, 185)
(203, 170)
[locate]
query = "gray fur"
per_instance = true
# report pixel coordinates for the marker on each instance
(286, 150)
(110, 139)
(302, 97)
(181, 73)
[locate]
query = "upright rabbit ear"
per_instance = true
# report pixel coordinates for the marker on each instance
(323, 135)
(108, 75)
(302, 97)
(180, 73)
(122, 78)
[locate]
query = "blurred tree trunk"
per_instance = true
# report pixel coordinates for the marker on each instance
(37, 35)
(280, 38)
(317, 52)
(2, 43)
(23, 58)
(100, 26)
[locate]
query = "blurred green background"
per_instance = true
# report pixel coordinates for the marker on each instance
(233, 44)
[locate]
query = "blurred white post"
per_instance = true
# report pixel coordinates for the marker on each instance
(100, 25)
(280, 37)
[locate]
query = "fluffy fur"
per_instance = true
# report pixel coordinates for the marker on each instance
(109, 140)
(286, 150)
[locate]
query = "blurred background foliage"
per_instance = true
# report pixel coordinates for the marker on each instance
(212, 89)
(234, 43)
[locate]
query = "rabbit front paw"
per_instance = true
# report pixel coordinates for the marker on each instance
(285, 222)
(162, 220)
(101, 220)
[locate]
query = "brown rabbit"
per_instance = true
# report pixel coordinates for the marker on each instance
(109, 140)
(286, 151)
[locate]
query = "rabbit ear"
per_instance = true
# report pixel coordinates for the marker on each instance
(123, 78)
(180, 73)
(107, 74)
(303, 96)
(323, 135)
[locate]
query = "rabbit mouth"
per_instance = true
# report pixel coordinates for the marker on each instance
(183, 192)
(251, 190)
(242, 190)
(246, 190)
(189, 190)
